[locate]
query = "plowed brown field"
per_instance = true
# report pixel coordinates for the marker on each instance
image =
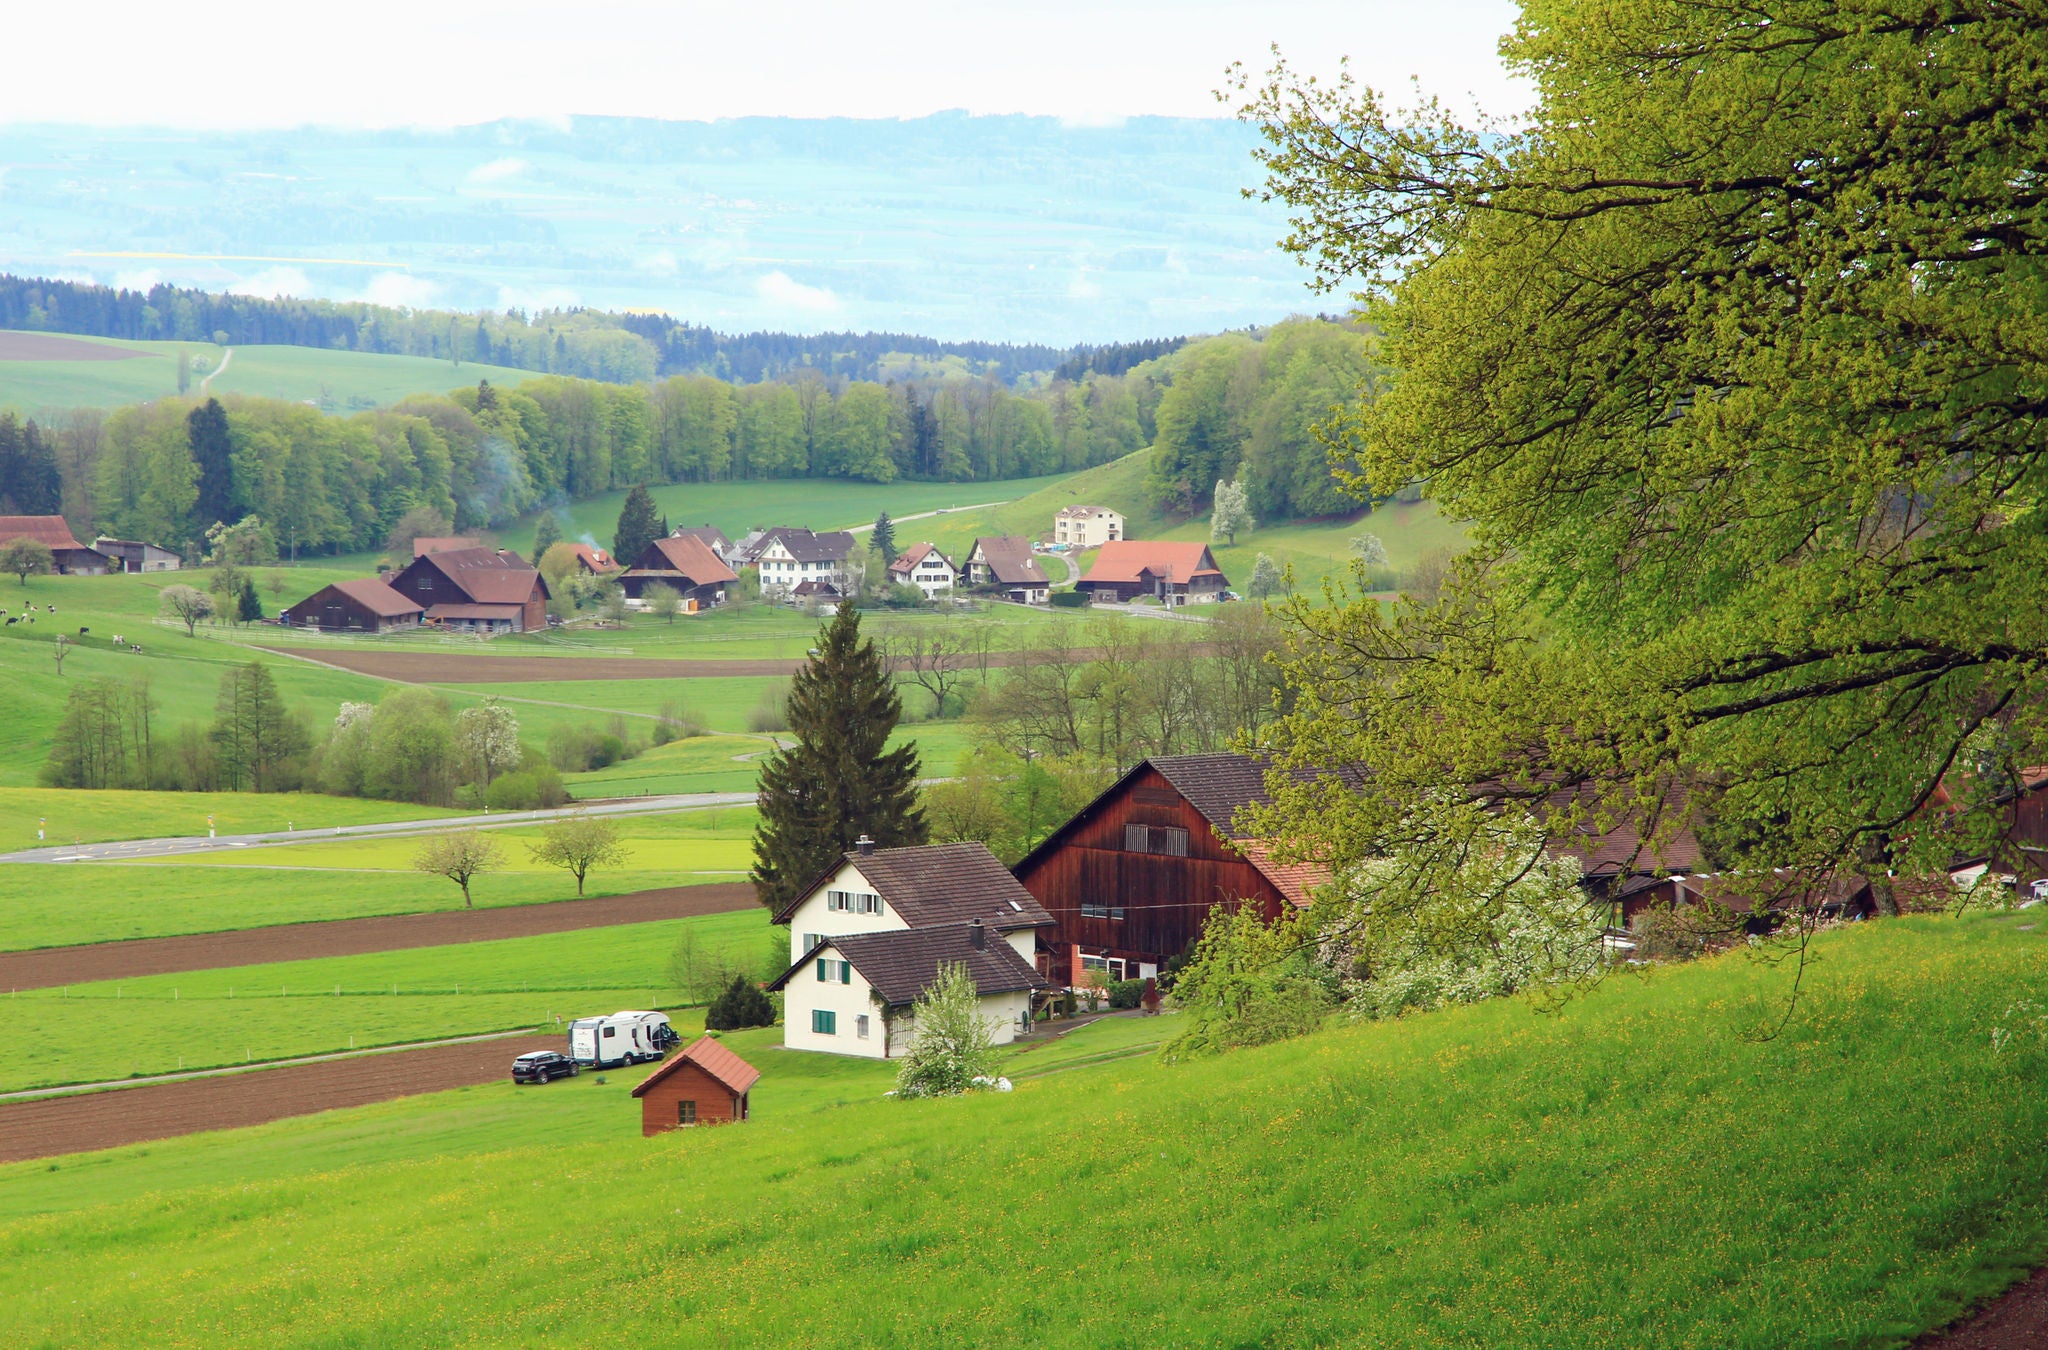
(52, 966)
(44, 347)
(96, 1120)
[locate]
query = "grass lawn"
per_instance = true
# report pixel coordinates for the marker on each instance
(199, 1019)
(699, 764)
(339, 381)
(1634, 1170)
(76, 815)
(678, 858)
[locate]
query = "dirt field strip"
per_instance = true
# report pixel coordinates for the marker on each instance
(48, 967)
(46, 347)
(97, 1120)
(2015, 1320)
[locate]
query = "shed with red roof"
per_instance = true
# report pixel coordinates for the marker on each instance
(702, 1084)
(1172, 573)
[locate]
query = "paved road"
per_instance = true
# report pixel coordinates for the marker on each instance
(925, 515)
(165, 848)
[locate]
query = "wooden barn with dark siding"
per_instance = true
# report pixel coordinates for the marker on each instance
(1132, 877)
(477, 590)
(702, 1084)
(367, 606)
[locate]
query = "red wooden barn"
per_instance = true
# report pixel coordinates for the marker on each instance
(702, 1084)
(1133, 876)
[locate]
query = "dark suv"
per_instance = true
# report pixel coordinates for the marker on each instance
(542, 1065)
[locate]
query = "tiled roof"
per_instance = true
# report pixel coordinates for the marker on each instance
(735, 1074)
(1121, 560)
(445, 543)
(487, 576)
(941, 883)
(596, 559)
(815, 586)
(1011, 561)
(907, 561)
(50, 530)
(708, 535)
(372, 594)
(1083, 512)
(687, 556)
(458, 611)
(903, 964)
(1622, 848)
(831, 546)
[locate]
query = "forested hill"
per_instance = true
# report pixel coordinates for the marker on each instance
(593, 344)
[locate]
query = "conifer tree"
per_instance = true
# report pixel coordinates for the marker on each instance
(741, 1005)
(213, 451)
(638, 526)
(248, 607)
(838, 781)
(884, 540)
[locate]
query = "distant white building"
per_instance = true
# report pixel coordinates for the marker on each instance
(789, 557)
(1086, 526)
(923, 566)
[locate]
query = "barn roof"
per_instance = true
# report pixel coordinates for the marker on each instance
(372, 594)
(831, 546)
(686, 556)
(1121, 560)
(705, 534)
(733, 1073)
(445, 543)
(907, 561)
(1010, 560)
(487, 576)
(903, 964)
(50, 530)
(593, 557)
(937, 884)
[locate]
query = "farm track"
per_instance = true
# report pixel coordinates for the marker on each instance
(121, 1116)
(49, 967)
(2015, 1320)
(436, 668)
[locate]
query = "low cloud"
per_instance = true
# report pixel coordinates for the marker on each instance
(779, 288)
(660, 263)
(401, 290)
(272, 282)
(498, 170)
(130, 281)
(538, 298)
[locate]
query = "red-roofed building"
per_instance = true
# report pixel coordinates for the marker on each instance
(366, 606)
(69, 557)
(594, 560)
(685, 563)
(476, 590)
(1173, 573)
(701, 1084)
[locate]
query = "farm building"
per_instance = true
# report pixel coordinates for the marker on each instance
(367, 606)
(822, 595)
(855, 994)
(711, 537)
(476, 590)
(1132, 877)
(683, 562)
(891, 889)
(445, 543)
(788, 557)
(68, 556)
(923, 566)
(1007, 563)
(592, 560)
(1172, 573)
(702, 1084)
(1086, 526)
(133, 555)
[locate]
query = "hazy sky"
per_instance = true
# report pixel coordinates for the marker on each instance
(235, 63)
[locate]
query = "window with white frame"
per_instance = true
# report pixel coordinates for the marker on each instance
(860, 1025)
(824, 1022)
(834, 972)
(853, 902)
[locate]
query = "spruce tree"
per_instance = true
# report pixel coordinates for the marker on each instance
(838, 781)
(213, 451)
(741, 1005)
(884, 540)
(638, 526)
(248, 608)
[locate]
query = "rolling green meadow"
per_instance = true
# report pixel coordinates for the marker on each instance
(1488, 1175)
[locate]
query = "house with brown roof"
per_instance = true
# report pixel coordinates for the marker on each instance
(365, 606)
(711, 537)
(702, 1084)
(1172, 573)
(868, 909)
(476, 590)
(923, 566)
(444, 543)
(592, 560)
(1006, 563)
(68, 556)
(788, 557)
(685, 563)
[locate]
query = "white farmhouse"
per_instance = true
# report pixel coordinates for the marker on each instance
(789, 557)
(1086, 526)
(923, 566)
(882, 921)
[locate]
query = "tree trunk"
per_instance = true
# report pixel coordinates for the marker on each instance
(1872, 855)
(466, 902)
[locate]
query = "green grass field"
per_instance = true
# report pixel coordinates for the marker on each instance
(339, 381)
(82, 816)
(1632, 1170)
(202, 1019)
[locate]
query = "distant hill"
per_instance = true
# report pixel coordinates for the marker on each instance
(1017, 230)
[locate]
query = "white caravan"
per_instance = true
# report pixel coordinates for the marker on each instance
(622, 1038)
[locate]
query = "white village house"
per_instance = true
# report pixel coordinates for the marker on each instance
(1086, 526)
(923, 566)
(789, 557)
(870, 935)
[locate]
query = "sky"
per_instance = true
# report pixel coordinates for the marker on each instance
(235, 64)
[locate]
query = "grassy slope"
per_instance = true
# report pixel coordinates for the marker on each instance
(339, 381)
(1632, 1171)
(75, 816)
(55, 904)
(199, 1019)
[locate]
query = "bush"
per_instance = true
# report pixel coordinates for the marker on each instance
(581, 749)
(1069, 599)
(741, 1005)
(530, 789)
(772, 712)
(1126, 993)
(675, 724)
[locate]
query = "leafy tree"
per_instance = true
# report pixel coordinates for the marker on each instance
(257, 743)
(213, 449)
(558, 564)
(546, 532)
(418, 522)
(1230, 512)
(1368, 549)
(663, 600)
(26, 556)
(461, 856)
(638, 526)
(225, 586)
(883, 540)
(839, 781)
(411, 755)
(184, 359)
(487, 738)
(953, 1044)
(1730, 356)
(1250, 983)
(187, 604)
(579, 842)
(741, 1005)
(1266, 578)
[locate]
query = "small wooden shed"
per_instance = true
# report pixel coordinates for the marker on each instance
(702, 1084)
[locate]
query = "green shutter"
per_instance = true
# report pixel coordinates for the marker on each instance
(822, 963)
(846, 972)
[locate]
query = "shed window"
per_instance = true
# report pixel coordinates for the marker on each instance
(824, 1022)
(686, 1113)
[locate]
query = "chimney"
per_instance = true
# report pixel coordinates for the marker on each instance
(977, 936)
(865, 845)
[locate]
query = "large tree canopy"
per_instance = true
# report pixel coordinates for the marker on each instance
(1735, 356)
